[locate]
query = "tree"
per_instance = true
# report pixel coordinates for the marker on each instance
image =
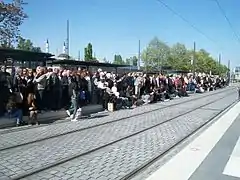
(180, 57)
(12, 16)
(205, 63)
(156, 54)
(36, 49)
(118, 60)
(24, 44)
(132, 61)
(27, 45)
(88, 53)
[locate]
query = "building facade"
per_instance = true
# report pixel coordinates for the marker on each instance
(236, 73)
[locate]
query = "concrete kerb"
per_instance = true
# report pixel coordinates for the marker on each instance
(55, 117)
(50, 117)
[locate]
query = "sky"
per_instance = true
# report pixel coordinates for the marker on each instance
(116, 26)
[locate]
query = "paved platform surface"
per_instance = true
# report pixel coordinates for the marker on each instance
(109, 151)
(214, 155)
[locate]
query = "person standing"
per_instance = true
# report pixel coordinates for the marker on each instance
(41, 81)
(5, 89)
(72, 111)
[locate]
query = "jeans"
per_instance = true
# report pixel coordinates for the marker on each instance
(191, 87)
(18, 114)
(73, 108)
(40, 99)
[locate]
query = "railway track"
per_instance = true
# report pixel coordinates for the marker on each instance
(198, 96)
(150, 162)
(31, 172)
(59, 134)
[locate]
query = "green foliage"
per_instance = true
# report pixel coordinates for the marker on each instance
(118, 60)
(85, 54)
(27, 45)
(159, 54)
(36, 49)
(156, 54)
(88, 53)
(132, 61)
(205, 63)
(12, 16)
(180, 57)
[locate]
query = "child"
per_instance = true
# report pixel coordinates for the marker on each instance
(14, 111)
(32, 109)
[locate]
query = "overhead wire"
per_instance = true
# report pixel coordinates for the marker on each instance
(228, 20)
(190, 24)
(185, 20)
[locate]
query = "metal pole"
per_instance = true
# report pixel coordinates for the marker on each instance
(79, 57)
(219, 59)
(158, 60)
(139, 54)
(161, 67)
(219, 63)
(130, 64)
(68, 38)
(146, 61)
(194, 57)
(229, 72)
(229, 65)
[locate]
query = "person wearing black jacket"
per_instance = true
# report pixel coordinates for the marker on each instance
(55, 90)
(82, 84)
(65, 96)
(72, 91)
(147, 84)
(5, 88)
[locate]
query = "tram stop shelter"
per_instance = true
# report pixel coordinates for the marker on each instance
(90, 65)
(16, 57)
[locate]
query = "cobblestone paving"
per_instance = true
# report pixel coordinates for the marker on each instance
(117, 160)
(18, 160)
(143, 175)
(221, 104)
(30, 135)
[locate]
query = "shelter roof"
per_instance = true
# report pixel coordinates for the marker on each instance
(84, 63)
(22, 55)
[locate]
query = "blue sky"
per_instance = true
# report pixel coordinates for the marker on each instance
(115, 26)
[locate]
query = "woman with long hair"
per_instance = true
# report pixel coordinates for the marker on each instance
(32, 109)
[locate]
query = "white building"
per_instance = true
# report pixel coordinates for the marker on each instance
(236, 73)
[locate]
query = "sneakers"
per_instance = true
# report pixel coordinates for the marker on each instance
(68, 112)
(74, 120)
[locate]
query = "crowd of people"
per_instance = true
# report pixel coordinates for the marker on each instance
(28, 92)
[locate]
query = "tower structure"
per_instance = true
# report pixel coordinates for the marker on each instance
(64, 48)
(47, 46)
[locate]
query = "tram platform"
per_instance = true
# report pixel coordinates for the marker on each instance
(51, 116)
(213, 155)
